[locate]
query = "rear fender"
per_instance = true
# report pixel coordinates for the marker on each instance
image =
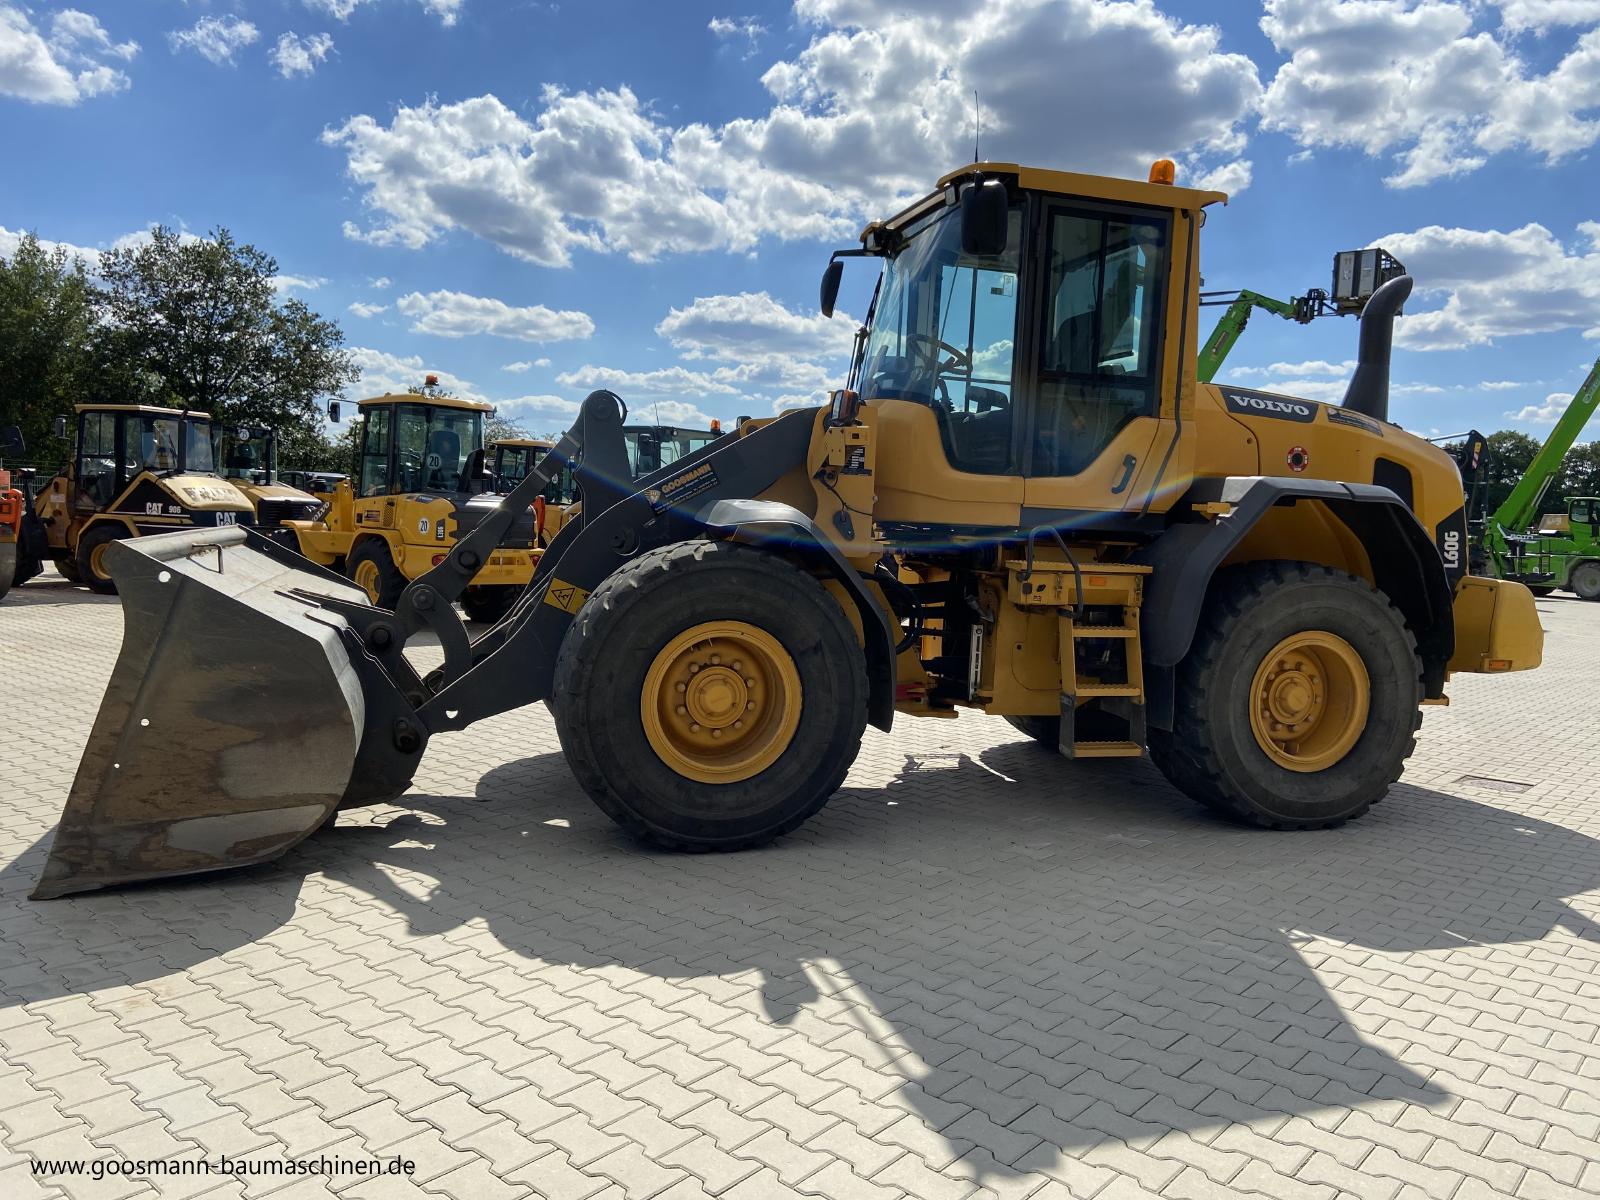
(786, 530)
(1406, 564)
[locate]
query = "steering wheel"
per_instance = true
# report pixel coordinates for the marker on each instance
(958, 357)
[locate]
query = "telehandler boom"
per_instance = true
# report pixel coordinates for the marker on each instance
(1022, 502)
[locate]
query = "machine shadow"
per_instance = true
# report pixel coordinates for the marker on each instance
(1107, 962)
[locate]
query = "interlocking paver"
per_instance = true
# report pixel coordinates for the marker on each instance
(1024, 978)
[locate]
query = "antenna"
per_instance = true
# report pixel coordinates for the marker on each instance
(977, 123)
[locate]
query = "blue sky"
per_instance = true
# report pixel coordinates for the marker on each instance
(534, 198)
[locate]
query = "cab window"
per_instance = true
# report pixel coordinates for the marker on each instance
(152, 444)
(942, 335)
(375, 452)
(97, 457)
(1583, 512)
(1099, 362)
(432, 446)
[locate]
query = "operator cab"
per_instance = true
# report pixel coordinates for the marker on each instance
(512, 458)
(117, 443)
(651, 447)
(415, 442)
(248, 453)
(1038, 317)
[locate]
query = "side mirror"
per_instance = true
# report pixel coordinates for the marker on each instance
(985, 215)
(11, 440)
(59, 428)
(830, 285)
(333, 411)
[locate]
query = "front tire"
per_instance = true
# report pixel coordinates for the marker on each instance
(1298, 702)
(711, 696)
(91, 557)
(371, 568)
(1585, 580)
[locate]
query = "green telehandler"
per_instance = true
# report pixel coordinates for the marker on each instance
(1556, 550)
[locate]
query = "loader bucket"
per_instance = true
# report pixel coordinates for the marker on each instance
(230, 725)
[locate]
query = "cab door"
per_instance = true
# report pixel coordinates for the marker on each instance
(1102, 362)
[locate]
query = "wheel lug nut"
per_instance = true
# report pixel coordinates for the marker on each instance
(683, 687)
(694, 668)
(751, 681)
(695, 728)
(737, 665)
(750, 706)
(716, 733)
(716, 659)
(681, 710)
(738, 724)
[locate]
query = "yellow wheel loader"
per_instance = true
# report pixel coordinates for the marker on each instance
(422, 482)
(136, 470)
(1021, 503)
(248, 457)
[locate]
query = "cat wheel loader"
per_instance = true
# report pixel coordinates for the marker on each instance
(422, 482)
(248, 456)
(136, 470)
(1021, 503)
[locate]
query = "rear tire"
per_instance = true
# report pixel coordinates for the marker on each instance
(371, 567)
(91, 557)
(68, 570)
(1585, 580)
(1044, 730)
(635, 650)
(487, 604)
(1274, 637)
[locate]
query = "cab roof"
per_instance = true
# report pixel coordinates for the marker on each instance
(149, 409)
(423, 398)
(1064, 183)
(536, 443)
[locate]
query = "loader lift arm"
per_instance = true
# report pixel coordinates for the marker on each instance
(1230, 327)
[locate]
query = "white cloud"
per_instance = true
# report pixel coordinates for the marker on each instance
(604, 172)
(1315, 366)
(517, 368)
(1544, 15)
(295, 55)
(1501, 385)
(1421, 82)
(1496, 284)
(73, 63)
(216, 39)
(456, 314)
(384, 372)
(660, 382)
(752, 325)
(446, 10)
(300, 283)
(735, 27)
(1547, 413)
(381, 282)
(364, 310)
(10, 239)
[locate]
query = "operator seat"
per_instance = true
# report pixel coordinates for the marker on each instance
(446, 477)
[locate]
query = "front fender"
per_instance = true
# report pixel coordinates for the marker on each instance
(785, 529)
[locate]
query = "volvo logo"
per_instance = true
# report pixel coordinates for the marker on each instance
(1262, 404)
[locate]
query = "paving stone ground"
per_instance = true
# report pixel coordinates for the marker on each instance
(980, 971)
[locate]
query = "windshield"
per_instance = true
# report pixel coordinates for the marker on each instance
(945, 321)
(432, 445)
(152, 444)
(198, 453)
(651, 449)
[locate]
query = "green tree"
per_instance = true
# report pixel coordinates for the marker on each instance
(47, 330)
(199, 322)
(1508, 457)
(498, 429)
(1580, 471)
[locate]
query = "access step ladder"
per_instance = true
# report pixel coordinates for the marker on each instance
(1102, 671)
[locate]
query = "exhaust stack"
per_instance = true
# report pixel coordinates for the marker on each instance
(1368, 392)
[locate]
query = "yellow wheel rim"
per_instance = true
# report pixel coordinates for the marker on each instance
(366, 578)
(721, 702)
(97, 561)
(1309, 700)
